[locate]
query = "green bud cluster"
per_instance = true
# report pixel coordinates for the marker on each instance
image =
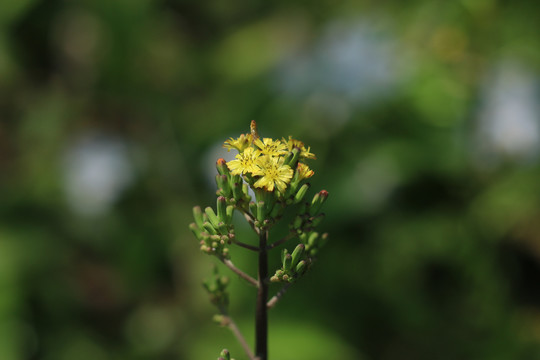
(214, 230)
(293, 265)
(309, 215)
(296, 264)
(216, 286)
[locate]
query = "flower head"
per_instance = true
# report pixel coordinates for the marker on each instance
(273, 173)
(244, 162)
(304, 172)
(271, 147)
(304, 153)
(240, 144)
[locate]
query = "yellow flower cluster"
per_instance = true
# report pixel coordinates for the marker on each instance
(267, 162)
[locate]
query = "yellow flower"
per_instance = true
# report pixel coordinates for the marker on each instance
(304, 172)
(273, 173)
(240, 144)
(304, 153)
(271, 147)
(244, 162)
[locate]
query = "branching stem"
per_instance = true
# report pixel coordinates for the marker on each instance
(280, 241)
(245, 246)
(251, 221)
(239, 272)
(229, 322)
(273, 301)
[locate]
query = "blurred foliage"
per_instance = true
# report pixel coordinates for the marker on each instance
(425, 119)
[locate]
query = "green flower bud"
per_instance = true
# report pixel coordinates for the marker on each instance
(301, 267)
(317, 202)
(297, 254)
(222, 208)
(312, 239)
(222, 167)
(196, 231)
(208, 227)
(237, 191)
(287, 262)
(224, 188)
(212, 217)
(300, 193)
(283, 253)
(225, 354)
(297, 224)
(198, 216)
(229, 212)
(222, 228)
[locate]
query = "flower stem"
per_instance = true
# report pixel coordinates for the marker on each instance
(273, 301)
(280, 241)
(228, 321)
(261, 315)
(239, 272)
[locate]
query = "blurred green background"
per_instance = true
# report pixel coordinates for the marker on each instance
(424, 115)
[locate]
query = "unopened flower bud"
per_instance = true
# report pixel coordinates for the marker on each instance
(237, 191)
(300, 193)
(229, 212)
(297, 254)
(198, 216)
(221, 166)
(287, 262)
(225, 355)
(317, 202)
(195, 230)
(212, 217)
(222, 183)
(222, 208)
(297, 224)
(301, 267)
(208, 227)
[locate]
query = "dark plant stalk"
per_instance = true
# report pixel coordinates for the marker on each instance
(261, 315)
